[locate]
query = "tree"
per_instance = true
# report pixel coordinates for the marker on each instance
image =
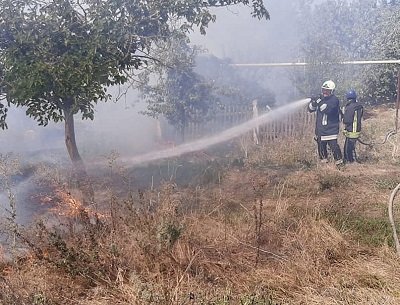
(58, 57)
(354, 30)
(178, 93)
(379, 83)
(324, 42)
(191, 88)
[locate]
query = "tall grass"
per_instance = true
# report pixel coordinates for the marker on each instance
(279, 229)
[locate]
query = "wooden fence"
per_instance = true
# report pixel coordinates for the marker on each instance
(295, 124)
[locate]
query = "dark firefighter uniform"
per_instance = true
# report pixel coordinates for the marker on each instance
(352, 116)
(327, 125)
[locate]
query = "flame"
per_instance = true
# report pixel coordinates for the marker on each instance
(66, 205)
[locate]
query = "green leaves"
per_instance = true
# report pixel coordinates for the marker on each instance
(179, 94)
(3, 116)
(349, 31)
(54, 52)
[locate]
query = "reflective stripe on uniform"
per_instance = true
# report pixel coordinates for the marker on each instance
(324, 119)
(355, 121)
(352, 134)
(327, 138)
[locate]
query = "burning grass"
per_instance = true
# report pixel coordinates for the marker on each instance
(261, 233)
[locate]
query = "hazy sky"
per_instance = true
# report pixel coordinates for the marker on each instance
(244, 39)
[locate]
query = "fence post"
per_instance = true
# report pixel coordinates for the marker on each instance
(256, 130)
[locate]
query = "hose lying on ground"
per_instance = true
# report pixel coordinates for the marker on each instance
(388, 135)
(392, 196)
(391, 218)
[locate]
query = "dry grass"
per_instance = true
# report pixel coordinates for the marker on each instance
(293, 233)
(379, 122)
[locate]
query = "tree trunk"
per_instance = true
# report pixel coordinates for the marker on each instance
(183, 122)
(182, 132)
(70, 141)
(80, 172)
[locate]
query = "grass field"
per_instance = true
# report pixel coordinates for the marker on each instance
(218, 227)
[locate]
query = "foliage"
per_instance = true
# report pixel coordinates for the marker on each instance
(190, 86)
(381, 81)
(337, 31)
(3, 114)
(179, 93)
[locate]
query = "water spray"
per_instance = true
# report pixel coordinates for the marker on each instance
(224, 136)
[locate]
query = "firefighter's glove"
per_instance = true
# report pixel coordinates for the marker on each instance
(315, 100)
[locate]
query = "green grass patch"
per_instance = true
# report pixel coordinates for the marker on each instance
(245, 299)
(370, 231)
(388, 183)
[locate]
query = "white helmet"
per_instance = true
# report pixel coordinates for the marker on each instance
(329, 85)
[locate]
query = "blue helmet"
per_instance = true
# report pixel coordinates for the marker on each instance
(351, 94)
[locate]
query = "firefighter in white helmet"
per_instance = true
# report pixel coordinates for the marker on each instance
(327, 110)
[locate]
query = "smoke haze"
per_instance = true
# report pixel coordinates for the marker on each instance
(238, 36)
(118, 125)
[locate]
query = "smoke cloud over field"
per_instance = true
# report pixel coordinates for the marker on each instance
(117, 127)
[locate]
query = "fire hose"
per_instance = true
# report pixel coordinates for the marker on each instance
(391, 218)
(388, 135)
(396, 189)
(392, 196)
(391, 133)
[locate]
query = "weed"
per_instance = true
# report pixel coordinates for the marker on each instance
(211, 174)
(181, 243)
(146, 292)
(254, 299)
(305, 164)
(168, 233)
(293, 152)
(333, 180)
(39, 299)
(371, 231)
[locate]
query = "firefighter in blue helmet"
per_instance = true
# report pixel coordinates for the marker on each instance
(327, 123)
(352, 116)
